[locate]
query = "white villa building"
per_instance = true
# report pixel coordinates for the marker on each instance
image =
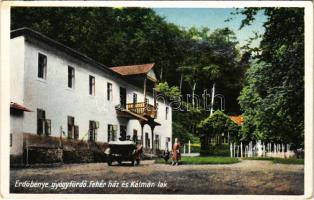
(57, 91)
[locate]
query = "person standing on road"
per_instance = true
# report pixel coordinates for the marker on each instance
(176, 152)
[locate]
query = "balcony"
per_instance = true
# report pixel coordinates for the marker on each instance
(143, 109)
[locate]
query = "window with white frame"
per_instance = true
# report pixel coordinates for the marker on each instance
(92, 85)
(71, 127)
(71, 77)
(134, 98)
(109, 91)
(112, 132)
(93, 127)
(42, 66)
(43, 124)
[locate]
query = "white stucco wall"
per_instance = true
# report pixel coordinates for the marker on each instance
(17, 52)
(59, 101)
(16, 122)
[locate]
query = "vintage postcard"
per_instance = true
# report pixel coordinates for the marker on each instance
(157, 98)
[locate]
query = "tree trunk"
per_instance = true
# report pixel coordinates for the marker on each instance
(181, 80)
(193, 93)
(212, 100)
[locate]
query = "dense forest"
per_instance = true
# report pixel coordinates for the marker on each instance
(267, 82)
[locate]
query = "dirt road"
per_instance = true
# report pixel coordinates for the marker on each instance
(246, 177)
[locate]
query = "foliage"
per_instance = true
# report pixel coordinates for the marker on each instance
(172, 92)
(273, 97)
(213, 57)
(185, 119)
(180, 132)
(219, 123)
(219, 150)
(203, 160)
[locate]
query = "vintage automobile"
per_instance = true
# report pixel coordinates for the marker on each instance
(123, 151)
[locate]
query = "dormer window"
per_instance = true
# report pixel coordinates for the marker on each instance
(134, 98)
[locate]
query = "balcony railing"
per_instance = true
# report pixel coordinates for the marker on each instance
(142, 108)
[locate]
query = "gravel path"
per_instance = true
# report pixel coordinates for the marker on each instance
(245, 177)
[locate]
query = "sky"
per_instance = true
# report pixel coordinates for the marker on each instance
(213, 18)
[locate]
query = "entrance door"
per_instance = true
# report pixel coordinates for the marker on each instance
(123, 133)
(123, 97)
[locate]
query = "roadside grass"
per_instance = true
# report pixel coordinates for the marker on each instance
(279, 160)
(201, 160)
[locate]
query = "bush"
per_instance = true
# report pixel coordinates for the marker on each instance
(219, 150)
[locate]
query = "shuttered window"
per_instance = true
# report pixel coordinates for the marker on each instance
(93, 126)
(41, 116)
(70, 127)
(47, 127)
(76, 132)
(112, 132)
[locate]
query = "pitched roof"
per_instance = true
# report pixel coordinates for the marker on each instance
(19, 107)
(30, 33)
(237, 119)
(133, 69)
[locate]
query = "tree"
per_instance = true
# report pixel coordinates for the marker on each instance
(172, 92)
(214, 58)
(218, 124)
(193, 73)
(273, 97)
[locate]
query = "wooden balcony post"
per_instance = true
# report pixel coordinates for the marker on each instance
(152, 128)
(154, 91)
(145, 80)
(142, 132)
